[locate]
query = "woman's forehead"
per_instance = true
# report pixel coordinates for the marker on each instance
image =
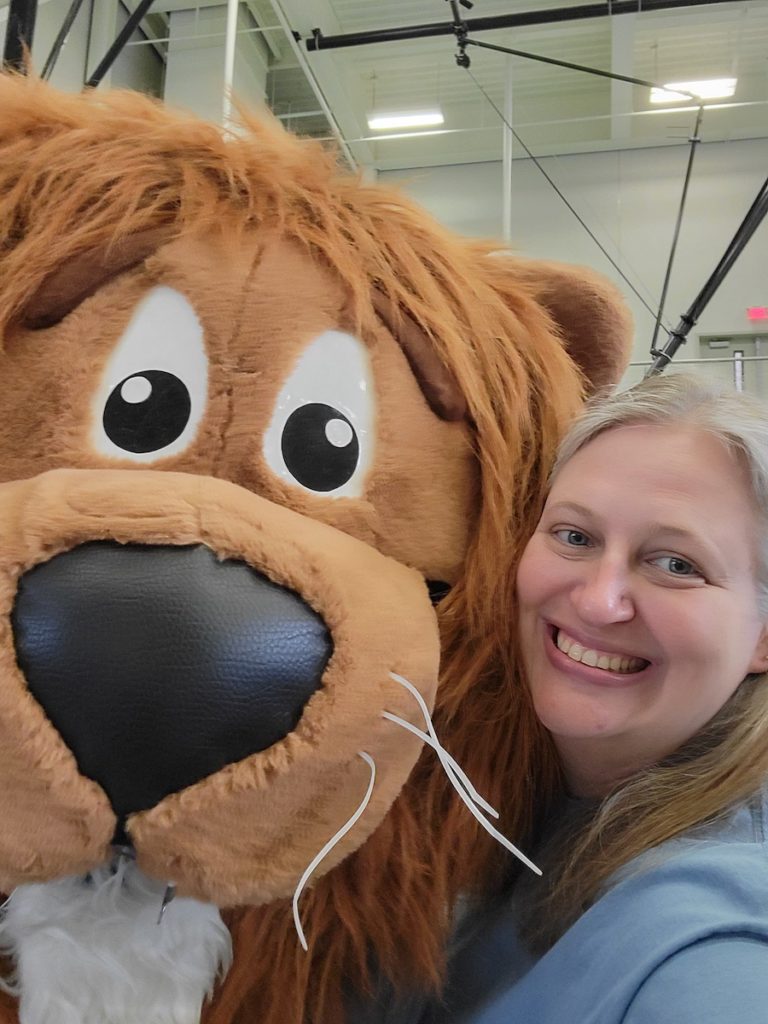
(675, 467)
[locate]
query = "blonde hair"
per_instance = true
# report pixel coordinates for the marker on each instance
(726, 762)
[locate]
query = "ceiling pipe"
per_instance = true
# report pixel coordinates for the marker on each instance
(318, 41)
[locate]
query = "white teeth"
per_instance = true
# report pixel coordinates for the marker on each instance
(597, 659)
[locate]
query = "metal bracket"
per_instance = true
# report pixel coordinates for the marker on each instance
(461, 31)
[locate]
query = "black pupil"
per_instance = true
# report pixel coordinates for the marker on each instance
(147, 411)
(320, 447)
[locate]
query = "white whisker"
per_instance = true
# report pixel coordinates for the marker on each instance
(451, 765)
(455, 774)
(329, 846)
(439, 749)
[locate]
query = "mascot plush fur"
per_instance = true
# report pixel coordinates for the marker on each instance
(251, 408)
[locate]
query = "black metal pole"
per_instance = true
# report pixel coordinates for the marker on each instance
(746, 229)
(61, 38)
(695, 140)
(19, 33)
(318, 41)
(116, 48)
(573, 67)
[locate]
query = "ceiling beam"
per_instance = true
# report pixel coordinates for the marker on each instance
(319, 41)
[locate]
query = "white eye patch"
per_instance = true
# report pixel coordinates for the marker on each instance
(320, 437)
(153, 390)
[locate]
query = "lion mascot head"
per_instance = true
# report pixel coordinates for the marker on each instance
(271, 442)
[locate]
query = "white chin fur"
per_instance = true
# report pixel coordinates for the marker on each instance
(90, 950)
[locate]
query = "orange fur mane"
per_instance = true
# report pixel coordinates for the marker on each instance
(82, 172)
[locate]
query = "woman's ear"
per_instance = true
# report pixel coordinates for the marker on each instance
(759, 662)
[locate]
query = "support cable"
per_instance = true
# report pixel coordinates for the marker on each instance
(537, 163)
(573, 67)
(463, 60)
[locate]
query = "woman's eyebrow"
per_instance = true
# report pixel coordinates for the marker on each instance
(681, 532)
(570, 506)
(704, 546)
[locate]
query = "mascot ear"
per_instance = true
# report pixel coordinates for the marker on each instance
(595, 324)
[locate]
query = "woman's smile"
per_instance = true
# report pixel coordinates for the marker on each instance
(593, 663)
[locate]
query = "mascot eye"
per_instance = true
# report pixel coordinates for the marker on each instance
(147, 412)
(153, 390)
(320, 436)
(320, 447)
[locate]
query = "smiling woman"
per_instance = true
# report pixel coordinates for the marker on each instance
(643, 631)
(642, 564)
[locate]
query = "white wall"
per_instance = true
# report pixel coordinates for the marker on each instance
(196, 57)
(630, 200)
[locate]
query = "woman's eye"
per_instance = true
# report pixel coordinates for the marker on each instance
(573, 538)
(677, 566)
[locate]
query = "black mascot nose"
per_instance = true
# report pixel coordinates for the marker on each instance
(160, 665)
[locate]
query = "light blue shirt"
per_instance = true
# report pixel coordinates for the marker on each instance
(680, 938)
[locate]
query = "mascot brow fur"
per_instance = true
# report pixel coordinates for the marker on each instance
(254, 410)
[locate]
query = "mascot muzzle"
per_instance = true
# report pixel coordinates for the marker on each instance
(190, 679)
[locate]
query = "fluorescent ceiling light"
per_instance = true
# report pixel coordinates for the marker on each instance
(416, 119)
(416, 135)
(707, 89)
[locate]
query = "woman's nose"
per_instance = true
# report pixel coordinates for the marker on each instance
(604, 595)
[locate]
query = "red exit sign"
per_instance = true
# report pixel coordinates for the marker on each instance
(757, 312)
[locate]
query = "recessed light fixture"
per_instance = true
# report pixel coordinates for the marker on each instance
(706, 89)
(415, 119)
